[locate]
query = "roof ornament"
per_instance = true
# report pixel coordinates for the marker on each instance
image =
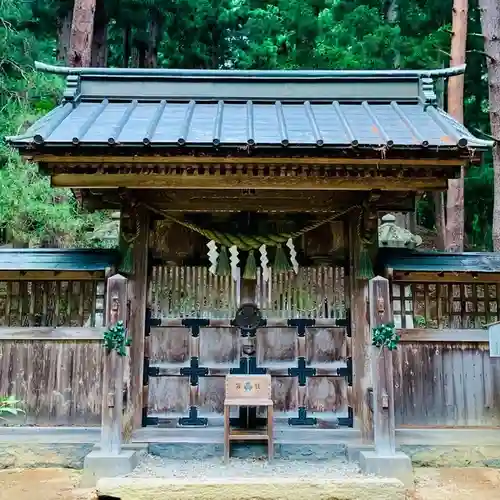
(428, 91)
(72, 90)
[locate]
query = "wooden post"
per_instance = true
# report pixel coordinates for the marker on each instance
(138, 291)
(360, 346)
(383, 380)
(112, 386)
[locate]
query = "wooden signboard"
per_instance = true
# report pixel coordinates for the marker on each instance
(250, 390)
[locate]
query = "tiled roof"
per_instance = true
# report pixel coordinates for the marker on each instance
(233, 109)
(257, 124)
(407, 261)
(41, 259)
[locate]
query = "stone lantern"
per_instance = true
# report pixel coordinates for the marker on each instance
(392, 236)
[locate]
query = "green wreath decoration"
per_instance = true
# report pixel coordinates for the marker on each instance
(115, 339)
(385, 336)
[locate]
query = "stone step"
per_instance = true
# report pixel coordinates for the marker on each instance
(246, 450)
(271, 488)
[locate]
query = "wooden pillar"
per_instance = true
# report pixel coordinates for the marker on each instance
(361, 338)
(383, 380)
(112, 382)
(137, 295)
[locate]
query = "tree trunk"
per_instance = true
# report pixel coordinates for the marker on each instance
(440, 220)
(154, 30)
(392, 16)
(134, 56)
(455, 219)
(99, 57)
(127, 33)
(63, 36)
(490, 22)
(142, 50)
(81, 33)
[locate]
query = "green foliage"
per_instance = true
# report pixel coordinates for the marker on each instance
(115, 339)
(420, 321)
(30, 210)
(478, 207)
(9, 407)
(385, 336)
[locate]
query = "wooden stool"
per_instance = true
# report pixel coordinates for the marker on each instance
(248, 390)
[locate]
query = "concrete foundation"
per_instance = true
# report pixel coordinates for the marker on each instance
(249, 489)
(98, 465)
(396, 466)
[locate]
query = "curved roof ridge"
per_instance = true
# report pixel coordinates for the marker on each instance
(245, 74)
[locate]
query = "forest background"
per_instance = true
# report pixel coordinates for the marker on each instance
(239, 34)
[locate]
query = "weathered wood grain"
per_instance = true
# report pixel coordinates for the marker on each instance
(242, 160)
(440, 383)
(276, 345)
(326, 394)
(443, 335)
(361, 338)
(384, 427)
(159, 181)
(49, 333)
(113, 371)
(138, 291)
(219, 346)
(51, 275)
(324, 345)
(59, 383)
(51, 303)
(169, 345)
(169, 395)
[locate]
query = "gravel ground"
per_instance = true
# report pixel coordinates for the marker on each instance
(154, 466)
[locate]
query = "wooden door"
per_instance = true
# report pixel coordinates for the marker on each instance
(304, 346)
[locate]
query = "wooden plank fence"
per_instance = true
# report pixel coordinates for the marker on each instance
(444, 375)
(51, 347)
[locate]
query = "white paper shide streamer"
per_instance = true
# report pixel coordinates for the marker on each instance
(263, 263)
(293, 255)
(213, 255)
(234, 261)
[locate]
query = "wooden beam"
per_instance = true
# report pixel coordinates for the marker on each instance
(445, 277)
(51, 275)
(239, 203)
(50, 333)
(279, 201)
(239, 181)
(138, 291)
(246, 160)
(361, 339)
(443, 335)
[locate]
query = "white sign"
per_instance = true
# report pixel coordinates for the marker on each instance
(494, 333)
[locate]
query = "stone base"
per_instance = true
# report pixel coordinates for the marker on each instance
(396, 466)
(352, 451)
(98, 465)
(268, 488)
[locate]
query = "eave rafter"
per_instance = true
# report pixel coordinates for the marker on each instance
(269, 174)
